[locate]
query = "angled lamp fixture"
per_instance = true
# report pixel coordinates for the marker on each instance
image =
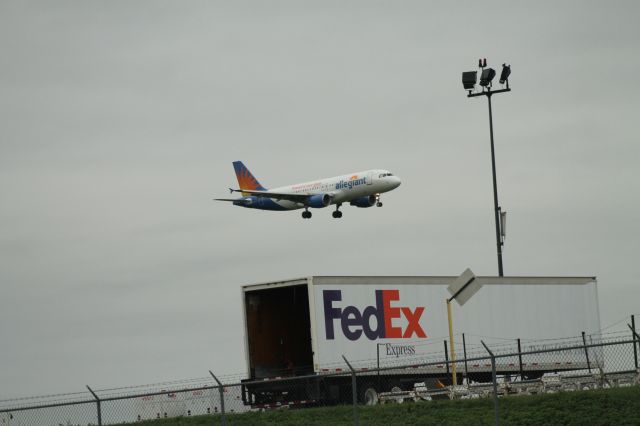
(504, 75)
(486, 76)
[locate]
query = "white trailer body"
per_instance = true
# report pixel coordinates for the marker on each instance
(304, 326)
(506, 308)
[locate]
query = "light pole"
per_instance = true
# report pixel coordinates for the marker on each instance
(469, 83)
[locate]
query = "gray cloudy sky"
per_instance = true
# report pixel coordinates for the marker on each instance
(120, 120)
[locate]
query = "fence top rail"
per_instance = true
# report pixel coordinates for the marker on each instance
(197, 381)
(163, 392)
(104, 399)
(49, 405)
(572, 347)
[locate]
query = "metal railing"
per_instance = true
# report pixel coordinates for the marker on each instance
(490, 371)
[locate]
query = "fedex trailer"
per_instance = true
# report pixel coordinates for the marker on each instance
(303, 327)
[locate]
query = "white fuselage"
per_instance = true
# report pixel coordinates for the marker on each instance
(343, 188)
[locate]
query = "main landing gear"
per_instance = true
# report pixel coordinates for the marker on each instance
(306, 214)
(337, 213)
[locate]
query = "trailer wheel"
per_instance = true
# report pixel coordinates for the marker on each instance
(370, 396)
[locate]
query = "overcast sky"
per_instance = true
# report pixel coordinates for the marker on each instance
(119, 122)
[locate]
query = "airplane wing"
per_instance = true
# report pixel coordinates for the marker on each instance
(297, 198)
(227, 199)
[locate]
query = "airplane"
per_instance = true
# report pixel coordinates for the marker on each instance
(361, 189)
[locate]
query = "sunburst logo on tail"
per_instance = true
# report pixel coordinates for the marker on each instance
(245, 179)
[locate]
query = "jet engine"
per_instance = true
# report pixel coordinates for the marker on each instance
(319, 201)
(364, 201)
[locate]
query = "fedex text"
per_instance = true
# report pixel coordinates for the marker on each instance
(354, 323)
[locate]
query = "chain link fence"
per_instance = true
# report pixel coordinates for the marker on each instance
(484, 370)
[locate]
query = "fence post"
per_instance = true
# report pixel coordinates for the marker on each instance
(354, 391)
(495, 383)
(97, 404)
(520, 360)
(378, 358)
(634, 334)
(221, 390)
(464, 350)
(586, 351)
(446, 356)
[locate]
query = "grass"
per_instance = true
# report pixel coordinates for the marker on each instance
(618, 406)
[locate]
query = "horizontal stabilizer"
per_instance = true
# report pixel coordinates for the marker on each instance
(296, 198)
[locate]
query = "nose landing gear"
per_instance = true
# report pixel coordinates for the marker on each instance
(378, 202)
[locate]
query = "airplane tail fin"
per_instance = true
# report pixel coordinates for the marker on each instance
(245, 179)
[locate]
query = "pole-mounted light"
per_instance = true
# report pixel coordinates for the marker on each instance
(504, 75)
(487, 75)
(469, 81)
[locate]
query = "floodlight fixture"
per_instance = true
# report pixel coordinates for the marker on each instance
(504, 75)
(469, 79)
(486, 76)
